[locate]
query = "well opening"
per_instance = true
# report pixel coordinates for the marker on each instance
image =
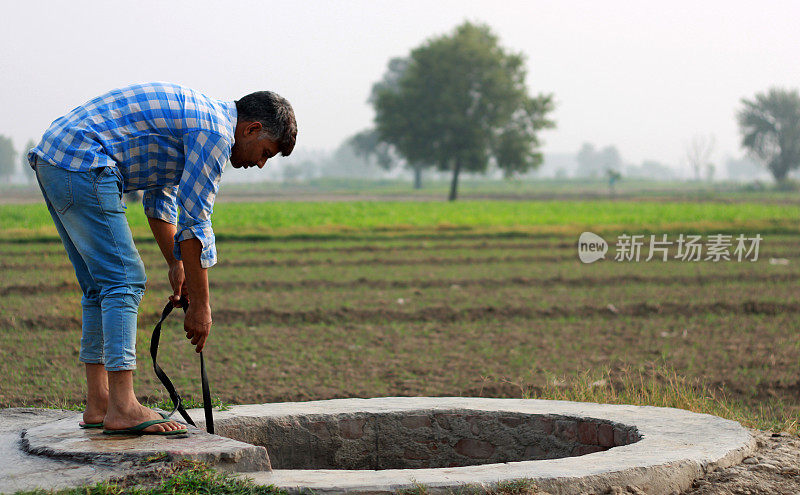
(424, 438)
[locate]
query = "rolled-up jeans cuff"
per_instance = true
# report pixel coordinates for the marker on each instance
(92, 335)
(90, 361)
(119, 330)
(128, 367)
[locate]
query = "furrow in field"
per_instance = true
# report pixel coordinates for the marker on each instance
(428, 260)
(38, 289)
(506, 282)
(446, 314)
(41, 321)
(418, 246)
(235, 246)
(291, 263)
(386, 256)
(487, 283)
(346, 246)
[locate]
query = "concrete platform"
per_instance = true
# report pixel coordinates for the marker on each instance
(658, 450)
(65, 440)
(22, 471)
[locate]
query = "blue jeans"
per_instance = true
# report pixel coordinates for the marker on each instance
(89, 214)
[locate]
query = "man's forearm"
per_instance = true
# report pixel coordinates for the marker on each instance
(196, 275)
(164, 232)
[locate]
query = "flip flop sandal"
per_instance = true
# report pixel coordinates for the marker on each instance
(100, 424)
(138, 429)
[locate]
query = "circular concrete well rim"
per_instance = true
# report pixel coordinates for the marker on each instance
(671, 448)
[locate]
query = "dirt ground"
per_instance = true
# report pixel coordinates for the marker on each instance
(773, 469)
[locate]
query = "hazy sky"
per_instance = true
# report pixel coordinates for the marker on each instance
(643, 75)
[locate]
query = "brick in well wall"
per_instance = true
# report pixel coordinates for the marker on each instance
(605, 435)
(320, 430)
(416, 421)
(352, 428)
(587, 432)
(446, 420)
(567, 429)
(534, 452)
(474, 424)
(620, 436)
(511, 421)
(476, 449)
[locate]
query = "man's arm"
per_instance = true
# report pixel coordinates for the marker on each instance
(197, 323)
(164, 233)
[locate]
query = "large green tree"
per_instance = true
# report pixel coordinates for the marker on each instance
(460, 101)
(770, 128)
(8, 157)
(370, 144)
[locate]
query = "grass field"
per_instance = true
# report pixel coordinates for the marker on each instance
(479, 298)
(316, 219)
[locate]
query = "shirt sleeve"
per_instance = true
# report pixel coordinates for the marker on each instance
(206, 153)
(161, 204)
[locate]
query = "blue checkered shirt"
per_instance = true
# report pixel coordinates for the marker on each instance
(168, 140)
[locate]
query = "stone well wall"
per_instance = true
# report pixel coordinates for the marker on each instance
(423, 439)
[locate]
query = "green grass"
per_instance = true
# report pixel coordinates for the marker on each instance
(191, 477)
(185, 478)
(285, 218)
(525, 486)
(659, 385)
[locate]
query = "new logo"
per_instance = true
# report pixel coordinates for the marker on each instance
(591, 247)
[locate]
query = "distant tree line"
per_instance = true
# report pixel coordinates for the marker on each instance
(10, 158)
(458, 103)
(595, 163)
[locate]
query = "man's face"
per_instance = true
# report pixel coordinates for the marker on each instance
(249, 150)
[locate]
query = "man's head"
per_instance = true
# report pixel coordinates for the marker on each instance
(265, 126)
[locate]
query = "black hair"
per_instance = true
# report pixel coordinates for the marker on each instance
(275, 115)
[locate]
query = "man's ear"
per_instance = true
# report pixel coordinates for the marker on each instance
(253, 128)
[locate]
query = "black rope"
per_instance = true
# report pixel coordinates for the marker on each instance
(177, 401)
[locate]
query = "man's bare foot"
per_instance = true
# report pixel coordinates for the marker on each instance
(95, 411)
(135, 415)
(96, 393)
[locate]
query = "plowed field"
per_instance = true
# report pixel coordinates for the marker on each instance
(409, 312)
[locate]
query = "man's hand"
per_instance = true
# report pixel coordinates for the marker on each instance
(197, 324)
(177, 279)
(198, 316)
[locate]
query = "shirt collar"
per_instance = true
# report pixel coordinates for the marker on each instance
(231, 107)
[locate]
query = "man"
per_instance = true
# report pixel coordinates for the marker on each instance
(172, 142)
